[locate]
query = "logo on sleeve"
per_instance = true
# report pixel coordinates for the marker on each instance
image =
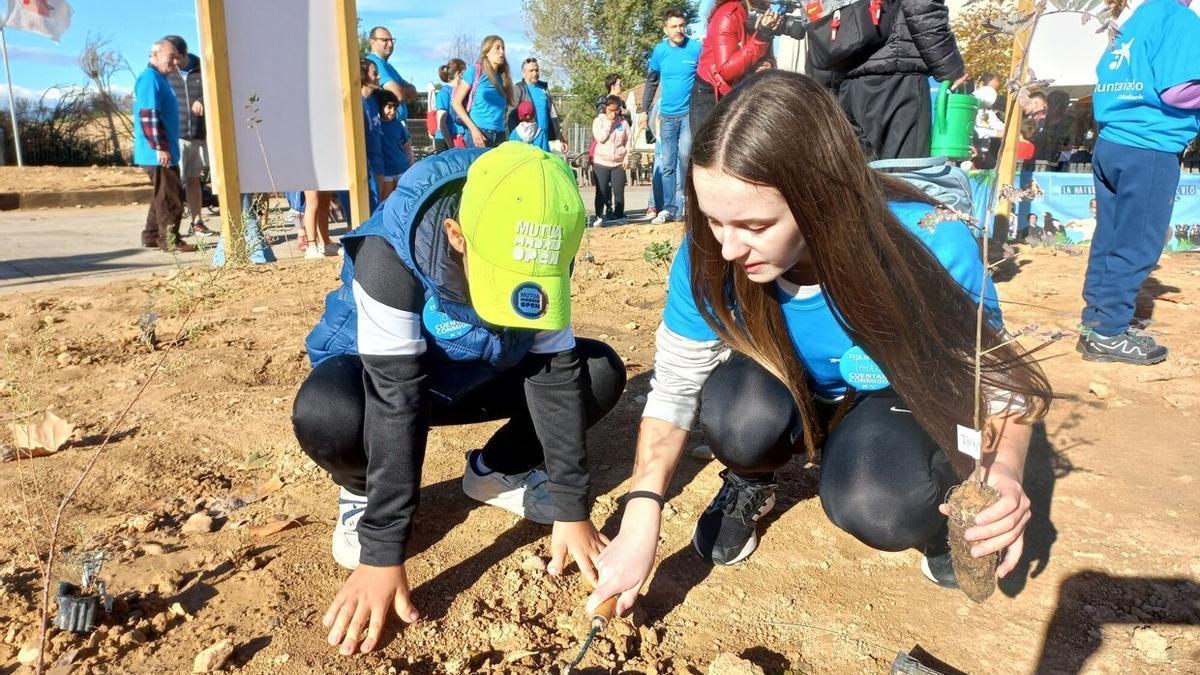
(529, 301)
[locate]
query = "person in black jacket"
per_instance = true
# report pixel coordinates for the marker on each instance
(193, 161)
(543, 104)
(885, 92)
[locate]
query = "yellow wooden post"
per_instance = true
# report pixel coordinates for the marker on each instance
(356, 155)
(218, 109)
(1006, 168)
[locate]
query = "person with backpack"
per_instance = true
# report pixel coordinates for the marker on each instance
(819, 306)
(482, 96)
(733, 45)
(454, 308)
(531, 88)
(876, 56)
(1147, 105)
(448, 129)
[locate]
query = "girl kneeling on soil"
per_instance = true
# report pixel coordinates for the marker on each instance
(802, 270)
(454, 309)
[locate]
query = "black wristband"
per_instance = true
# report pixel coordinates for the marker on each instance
(645, 494)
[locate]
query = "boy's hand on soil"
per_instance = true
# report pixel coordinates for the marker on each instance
(625, 565)
(365, 601)
(582, 542)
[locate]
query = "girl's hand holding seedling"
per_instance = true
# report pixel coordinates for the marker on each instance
(625, 565)
(1001, 526)
(582, 542)
(364, 602)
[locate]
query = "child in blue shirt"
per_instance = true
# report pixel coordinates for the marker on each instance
(396, 142)
(1146, 104)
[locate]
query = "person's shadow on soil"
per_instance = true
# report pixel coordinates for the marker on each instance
(1152, 289)
(1044, 466)
(1090, 600)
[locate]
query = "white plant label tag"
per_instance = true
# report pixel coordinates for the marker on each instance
(970, 442)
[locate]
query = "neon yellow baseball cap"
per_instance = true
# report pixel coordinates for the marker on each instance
(523, 218)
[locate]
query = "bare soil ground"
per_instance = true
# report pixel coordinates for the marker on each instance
(57, 178)
(1110, 582)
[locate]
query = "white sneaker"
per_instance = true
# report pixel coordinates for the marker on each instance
(345, 534)
(661, 217)
(598, 222)
(313, 252)
(525, 494)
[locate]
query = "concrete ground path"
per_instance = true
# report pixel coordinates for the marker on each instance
(56, 247)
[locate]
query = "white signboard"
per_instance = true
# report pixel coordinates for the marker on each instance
(286, 53)
(1066, 51)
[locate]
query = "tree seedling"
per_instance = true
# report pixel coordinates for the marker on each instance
(79, 606)
(977, 576)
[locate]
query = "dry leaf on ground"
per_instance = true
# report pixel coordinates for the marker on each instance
(272, 485)
(49, 433)
(276, 525)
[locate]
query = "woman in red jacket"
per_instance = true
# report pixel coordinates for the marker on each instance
(731, 51)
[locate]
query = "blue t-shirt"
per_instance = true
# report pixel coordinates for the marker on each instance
(814, 331)
(441, 101)
(153, 91)
(676, 67)
(395, 160)
(1158, 48)
(541, 106)
(487, 110)
(373, 127)
(388, 74)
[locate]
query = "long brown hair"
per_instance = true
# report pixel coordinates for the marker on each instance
(500, 77)
(893, 298)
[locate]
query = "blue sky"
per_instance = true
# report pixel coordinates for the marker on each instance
(422, 32)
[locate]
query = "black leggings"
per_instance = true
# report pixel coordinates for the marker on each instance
(328, 413)
(610, 189)
(882, 476)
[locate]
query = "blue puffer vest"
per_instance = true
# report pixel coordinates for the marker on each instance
(412, 224)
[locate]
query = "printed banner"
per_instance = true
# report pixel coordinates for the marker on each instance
(1067, 210)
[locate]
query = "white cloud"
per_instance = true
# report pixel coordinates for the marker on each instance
(50, 93)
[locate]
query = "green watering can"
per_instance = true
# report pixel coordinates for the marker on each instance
(953, 124)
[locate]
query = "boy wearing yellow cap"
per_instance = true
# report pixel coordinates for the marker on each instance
(454, 308)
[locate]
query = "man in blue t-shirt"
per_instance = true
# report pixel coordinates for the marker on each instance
(156, 148)
(382, 46)
(673, 64)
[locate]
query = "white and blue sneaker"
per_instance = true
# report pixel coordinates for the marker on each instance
(345, 533)
(525, 494)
